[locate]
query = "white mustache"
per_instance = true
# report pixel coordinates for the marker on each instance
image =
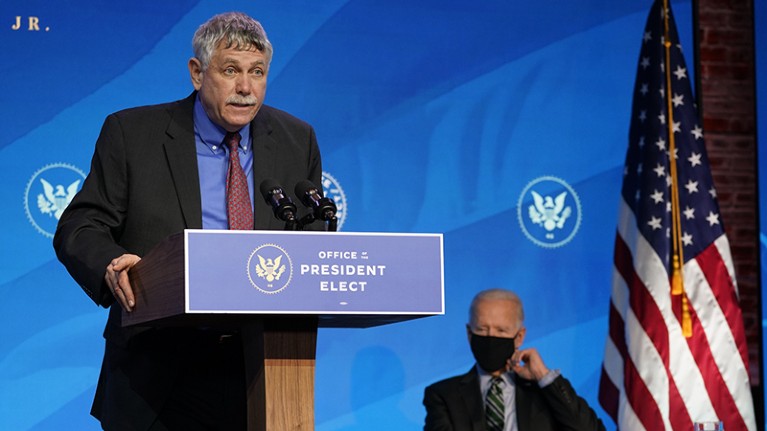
(242, 100)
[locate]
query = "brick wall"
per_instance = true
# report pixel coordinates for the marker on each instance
(726, 69)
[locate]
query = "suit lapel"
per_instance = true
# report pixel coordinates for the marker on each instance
(181, 152)
(472, 398)
(263, 146)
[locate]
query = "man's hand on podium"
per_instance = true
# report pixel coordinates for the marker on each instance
(118, 281)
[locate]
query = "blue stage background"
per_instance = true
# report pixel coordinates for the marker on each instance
(432, 116)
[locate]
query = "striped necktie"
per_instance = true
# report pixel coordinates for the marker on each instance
(239, 210)
(494, 411)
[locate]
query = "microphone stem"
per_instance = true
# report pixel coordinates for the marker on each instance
(333, 224)
(290, 224)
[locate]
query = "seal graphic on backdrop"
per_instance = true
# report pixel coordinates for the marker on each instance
(332, 189)
(270, 268)
(48, 193)
(549, 212)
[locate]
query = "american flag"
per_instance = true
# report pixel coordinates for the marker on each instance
(671, 359)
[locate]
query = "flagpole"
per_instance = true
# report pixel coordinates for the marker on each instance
(677, 279)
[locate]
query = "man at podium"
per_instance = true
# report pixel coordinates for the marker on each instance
(157, 170)
(509, 388)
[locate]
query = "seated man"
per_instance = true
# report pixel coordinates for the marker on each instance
(508, 389)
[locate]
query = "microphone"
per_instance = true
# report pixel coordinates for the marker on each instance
(283, 206)
(324, 208)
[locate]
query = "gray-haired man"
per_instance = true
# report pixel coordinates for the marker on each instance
(156, 171)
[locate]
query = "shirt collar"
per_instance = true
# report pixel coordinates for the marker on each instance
(210, 133)
(486, 378)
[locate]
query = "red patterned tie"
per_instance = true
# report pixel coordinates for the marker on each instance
(238, 206)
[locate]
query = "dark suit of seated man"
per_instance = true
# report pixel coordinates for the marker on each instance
(509, 389)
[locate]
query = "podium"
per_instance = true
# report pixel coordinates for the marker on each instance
(276, 288)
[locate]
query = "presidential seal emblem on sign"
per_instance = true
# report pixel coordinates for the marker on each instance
(48, 192)
(549, 212)
(332, 189)
(270, 268)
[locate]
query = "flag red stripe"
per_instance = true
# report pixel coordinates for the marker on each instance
(639, 397)
(718, 277)
(618, 331)
(679, 417)
(641, 302)
(609, 395)
(718, 392)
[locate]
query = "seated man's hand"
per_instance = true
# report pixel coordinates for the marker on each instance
(527, 363)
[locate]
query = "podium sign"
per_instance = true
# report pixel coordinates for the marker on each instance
(347, 279)
(313, 273)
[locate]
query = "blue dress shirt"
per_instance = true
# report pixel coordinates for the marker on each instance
(212, 164)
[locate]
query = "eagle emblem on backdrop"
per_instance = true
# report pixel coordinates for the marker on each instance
(270, 268)
(48, 193)
(55, 199)
(549, 212)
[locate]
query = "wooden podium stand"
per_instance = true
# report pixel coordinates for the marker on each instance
(279, 344)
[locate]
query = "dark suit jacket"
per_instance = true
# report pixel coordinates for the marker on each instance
(144, 186)
(457, 404)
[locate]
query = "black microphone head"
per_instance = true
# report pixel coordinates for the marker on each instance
(311, 196)
(283, 206)
(305, 187)
(268, 187)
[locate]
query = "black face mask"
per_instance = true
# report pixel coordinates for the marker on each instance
(491, 353)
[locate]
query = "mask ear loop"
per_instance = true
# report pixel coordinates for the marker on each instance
(515, 363)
